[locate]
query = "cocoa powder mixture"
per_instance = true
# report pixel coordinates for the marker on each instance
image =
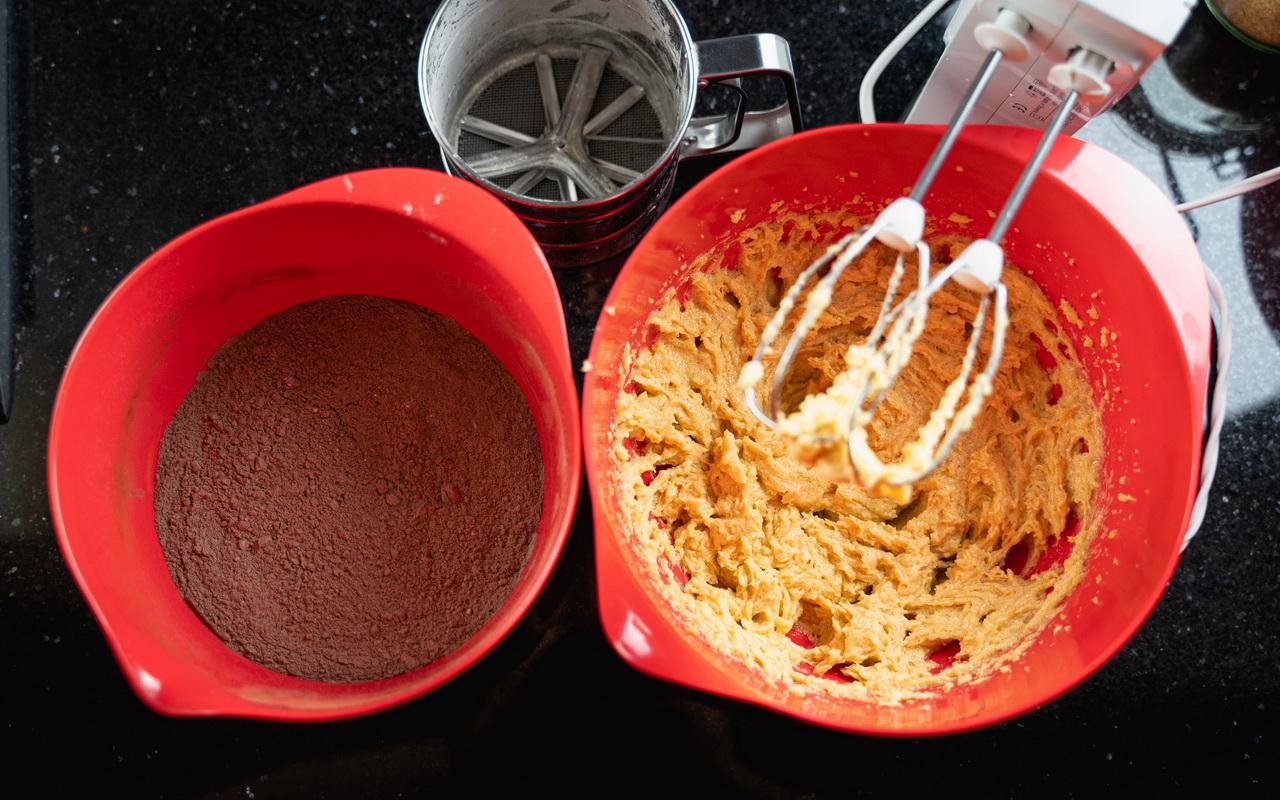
(350, 490)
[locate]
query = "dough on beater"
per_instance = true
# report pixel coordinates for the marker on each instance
(787, 567)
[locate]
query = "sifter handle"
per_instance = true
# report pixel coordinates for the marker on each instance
(725, 62)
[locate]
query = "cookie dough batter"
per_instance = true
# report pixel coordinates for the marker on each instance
(792, 568)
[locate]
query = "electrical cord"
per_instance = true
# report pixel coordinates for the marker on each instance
(1233, 190)
(1217, 408)
(866, 102)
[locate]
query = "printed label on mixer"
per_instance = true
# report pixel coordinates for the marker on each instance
(1033, 103)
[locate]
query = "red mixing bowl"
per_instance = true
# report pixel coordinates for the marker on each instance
(1093, 232)
(407, 234)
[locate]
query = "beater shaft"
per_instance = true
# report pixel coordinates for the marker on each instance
(1032, 169)
(949, 136)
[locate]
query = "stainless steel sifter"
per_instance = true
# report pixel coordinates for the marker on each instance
(576, 112)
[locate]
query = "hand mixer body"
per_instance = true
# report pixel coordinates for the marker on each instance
(1131, 33)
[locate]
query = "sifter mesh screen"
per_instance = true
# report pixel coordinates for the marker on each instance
(634, 140)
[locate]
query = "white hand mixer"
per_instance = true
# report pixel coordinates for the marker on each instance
(1136, 30)
(842, 411)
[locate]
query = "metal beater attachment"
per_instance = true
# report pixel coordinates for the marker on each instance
(844, 411)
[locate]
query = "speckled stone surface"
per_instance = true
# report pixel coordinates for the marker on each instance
(138, 120)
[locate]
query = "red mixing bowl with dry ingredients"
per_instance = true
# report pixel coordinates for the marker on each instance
(1093, 232)
(407, 234)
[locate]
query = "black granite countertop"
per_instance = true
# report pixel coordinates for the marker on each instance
(136, 120)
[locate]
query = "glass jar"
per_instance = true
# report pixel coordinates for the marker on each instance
(1254, 22)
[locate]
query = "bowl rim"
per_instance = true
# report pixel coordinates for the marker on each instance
(338, 189)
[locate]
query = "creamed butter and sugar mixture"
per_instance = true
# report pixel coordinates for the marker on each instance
(789, 566)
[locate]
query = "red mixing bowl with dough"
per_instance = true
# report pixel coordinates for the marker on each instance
(408, 234)
(1094, 233)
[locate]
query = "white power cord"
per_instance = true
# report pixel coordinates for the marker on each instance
(1238, 188)
(866, 103)
(1218, 410)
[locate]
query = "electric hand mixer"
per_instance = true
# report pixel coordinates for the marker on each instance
(842, 411)
(1025, 53)
(1092, 51)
